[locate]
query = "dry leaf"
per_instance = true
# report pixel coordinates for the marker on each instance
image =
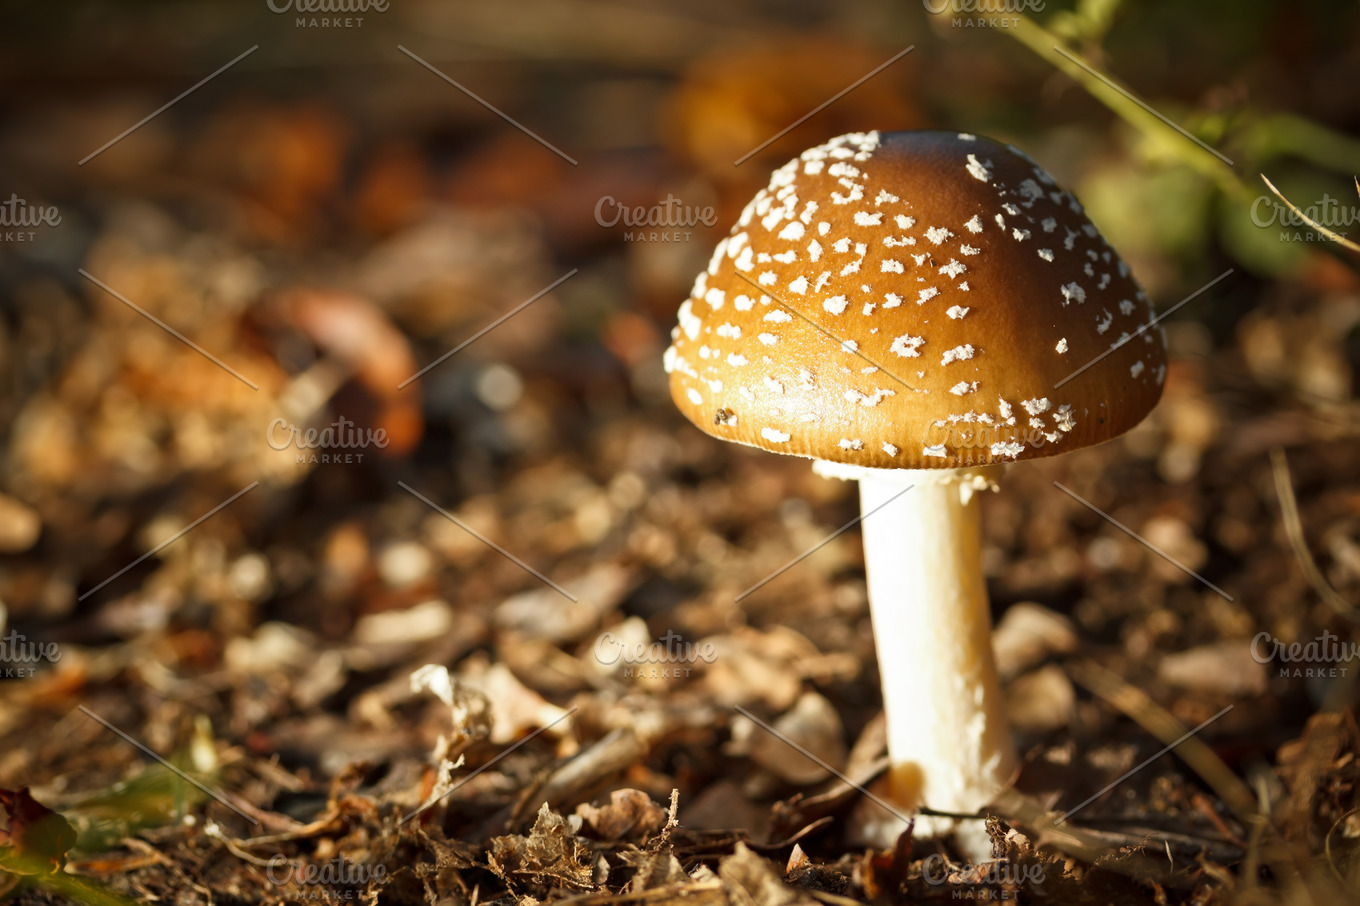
(34, 839)
(630, 814)
(750, 880)
(551, 855)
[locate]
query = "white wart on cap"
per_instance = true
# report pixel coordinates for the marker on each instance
(911, 300)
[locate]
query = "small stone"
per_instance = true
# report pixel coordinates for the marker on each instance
(1227, 668)
(404, 564)
(20, 526)
(811, 723)
(1041, 700)
(1027, 634)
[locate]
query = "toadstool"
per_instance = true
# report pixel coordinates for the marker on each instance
(912, 310)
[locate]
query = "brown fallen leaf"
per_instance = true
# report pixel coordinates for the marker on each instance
(653, 870)
(1303, 764)
(33, 839)
(284, 165)
(630, 814)
(552, 856)
(750, 880)
(798, 860)
(362, 343)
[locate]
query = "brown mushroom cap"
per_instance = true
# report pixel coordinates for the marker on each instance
(915, 300)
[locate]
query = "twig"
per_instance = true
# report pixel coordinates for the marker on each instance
(1335, 237)
(663, 839)
(1043, 827)
(1293, 527)
(212, 829)
(1162, 724)
(1047, 45)
(1256, 836)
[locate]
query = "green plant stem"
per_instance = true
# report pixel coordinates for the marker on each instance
(1044, 43)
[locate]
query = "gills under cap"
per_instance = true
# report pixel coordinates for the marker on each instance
(915, 300)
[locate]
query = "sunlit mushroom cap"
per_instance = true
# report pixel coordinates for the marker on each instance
(915, 300)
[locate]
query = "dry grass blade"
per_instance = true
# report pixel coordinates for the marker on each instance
(1088, 846)
(1251, 871)
(1293, 526)
(1335, 237)
(1162, 724)
(1194, 752)
(583, 772)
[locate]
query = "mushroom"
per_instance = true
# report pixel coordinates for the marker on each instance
(913, 310)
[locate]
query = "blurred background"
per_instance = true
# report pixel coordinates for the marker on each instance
(327, 216)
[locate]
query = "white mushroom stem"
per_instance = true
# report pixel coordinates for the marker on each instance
(948, 741)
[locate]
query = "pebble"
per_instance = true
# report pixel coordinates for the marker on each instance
(1027, 634)
(1226, 668)
(1041, 700)
(813, 724)
(404, 564)
(20, 526)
